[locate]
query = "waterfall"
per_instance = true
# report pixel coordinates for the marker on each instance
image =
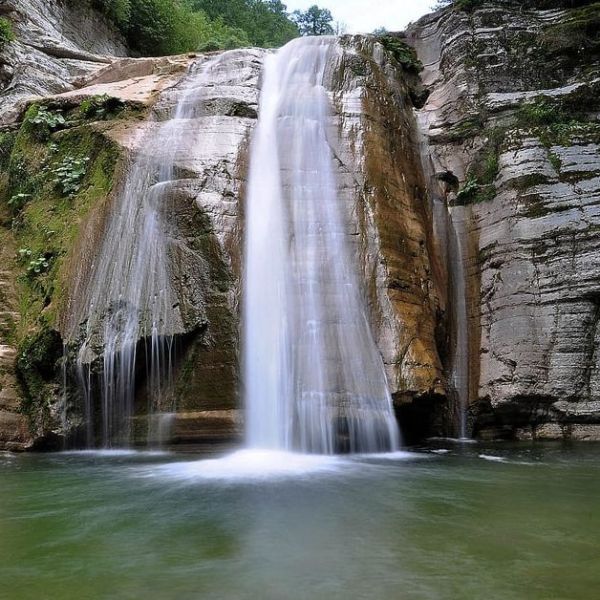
(314, 378)
(131, 307)
(459, 376)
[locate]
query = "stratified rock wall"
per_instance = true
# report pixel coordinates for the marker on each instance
(381, 175)
(57, 43)
(512, 123)
(509, 131)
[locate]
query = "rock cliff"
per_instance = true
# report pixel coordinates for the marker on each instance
(512, 127)
(56, 46)
(487, 158)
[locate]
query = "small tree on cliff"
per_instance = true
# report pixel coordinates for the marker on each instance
(314, 21)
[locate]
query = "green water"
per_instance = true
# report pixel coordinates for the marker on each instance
(429, 526)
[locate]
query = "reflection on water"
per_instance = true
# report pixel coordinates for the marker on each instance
(451, 525)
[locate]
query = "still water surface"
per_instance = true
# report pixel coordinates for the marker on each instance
(448, 522)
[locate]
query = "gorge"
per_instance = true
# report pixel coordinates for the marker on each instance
(456, 275)
(311, 320)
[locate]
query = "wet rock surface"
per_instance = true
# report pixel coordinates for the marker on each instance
(512, 137)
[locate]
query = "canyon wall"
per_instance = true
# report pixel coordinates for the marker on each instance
(512, 126)
(499, 130)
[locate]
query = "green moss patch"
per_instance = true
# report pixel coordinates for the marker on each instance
(56, 169)
(6, 32)
(479, 184)
(577, 36)
(37, 369)
(403, 53)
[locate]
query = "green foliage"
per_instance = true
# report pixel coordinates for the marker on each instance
(35, 264)
(39, 234)
(479, 185)
(37, 362)
(118, 11)
(406, 55)
(528, 181)
(578, 35)
(540, 112)
(69, 174)
(100, 107)
(160, 27)
(7, 140)
(559, 121)
(314, 21)
(48, 118)
(264, 23)
(17, 201)
(6, 32)
(42, 121)
(555, 161)
(468, 191)
(467, 128)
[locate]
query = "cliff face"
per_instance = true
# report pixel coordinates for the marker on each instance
(512, 127)
(57, 44)
(506, 142)
(109, 119)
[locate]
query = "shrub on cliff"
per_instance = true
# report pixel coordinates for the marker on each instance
(6, 32)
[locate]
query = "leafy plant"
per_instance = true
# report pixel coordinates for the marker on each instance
(17, 201)
(69, 174)
(469, 190)
(100, 107)
(159, 27)
(48, 118)
(7, 141)
(44, 121)
(36, 264)
(314, 21)
(540, 112)
(6, 32)
(406, 55)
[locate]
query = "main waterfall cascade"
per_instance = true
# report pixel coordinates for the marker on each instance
(130, 296)
(314, 378)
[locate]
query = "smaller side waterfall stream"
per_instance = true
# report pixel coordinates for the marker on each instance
(130, 299)
(460, 363)
(314, 377)
(450, 230)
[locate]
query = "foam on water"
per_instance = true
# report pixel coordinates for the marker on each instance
(112, 453)
(492, 458)
(253, 465)
(398, 455)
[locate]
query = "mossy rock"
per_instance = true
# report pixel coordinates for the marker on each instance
(401, 52)
(55, 173)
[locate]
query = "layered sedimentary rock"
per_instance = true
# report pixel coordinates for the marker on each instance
(512, 126)
(506, 140)
(57, 44)
(378, 177)
(205, 153)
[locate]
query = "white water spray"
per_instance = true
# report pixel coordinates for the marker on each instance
(129, 299)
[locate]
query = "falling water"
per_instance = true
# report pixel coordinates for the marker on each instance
(460, 364)
(314, 378)
(130, 296)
